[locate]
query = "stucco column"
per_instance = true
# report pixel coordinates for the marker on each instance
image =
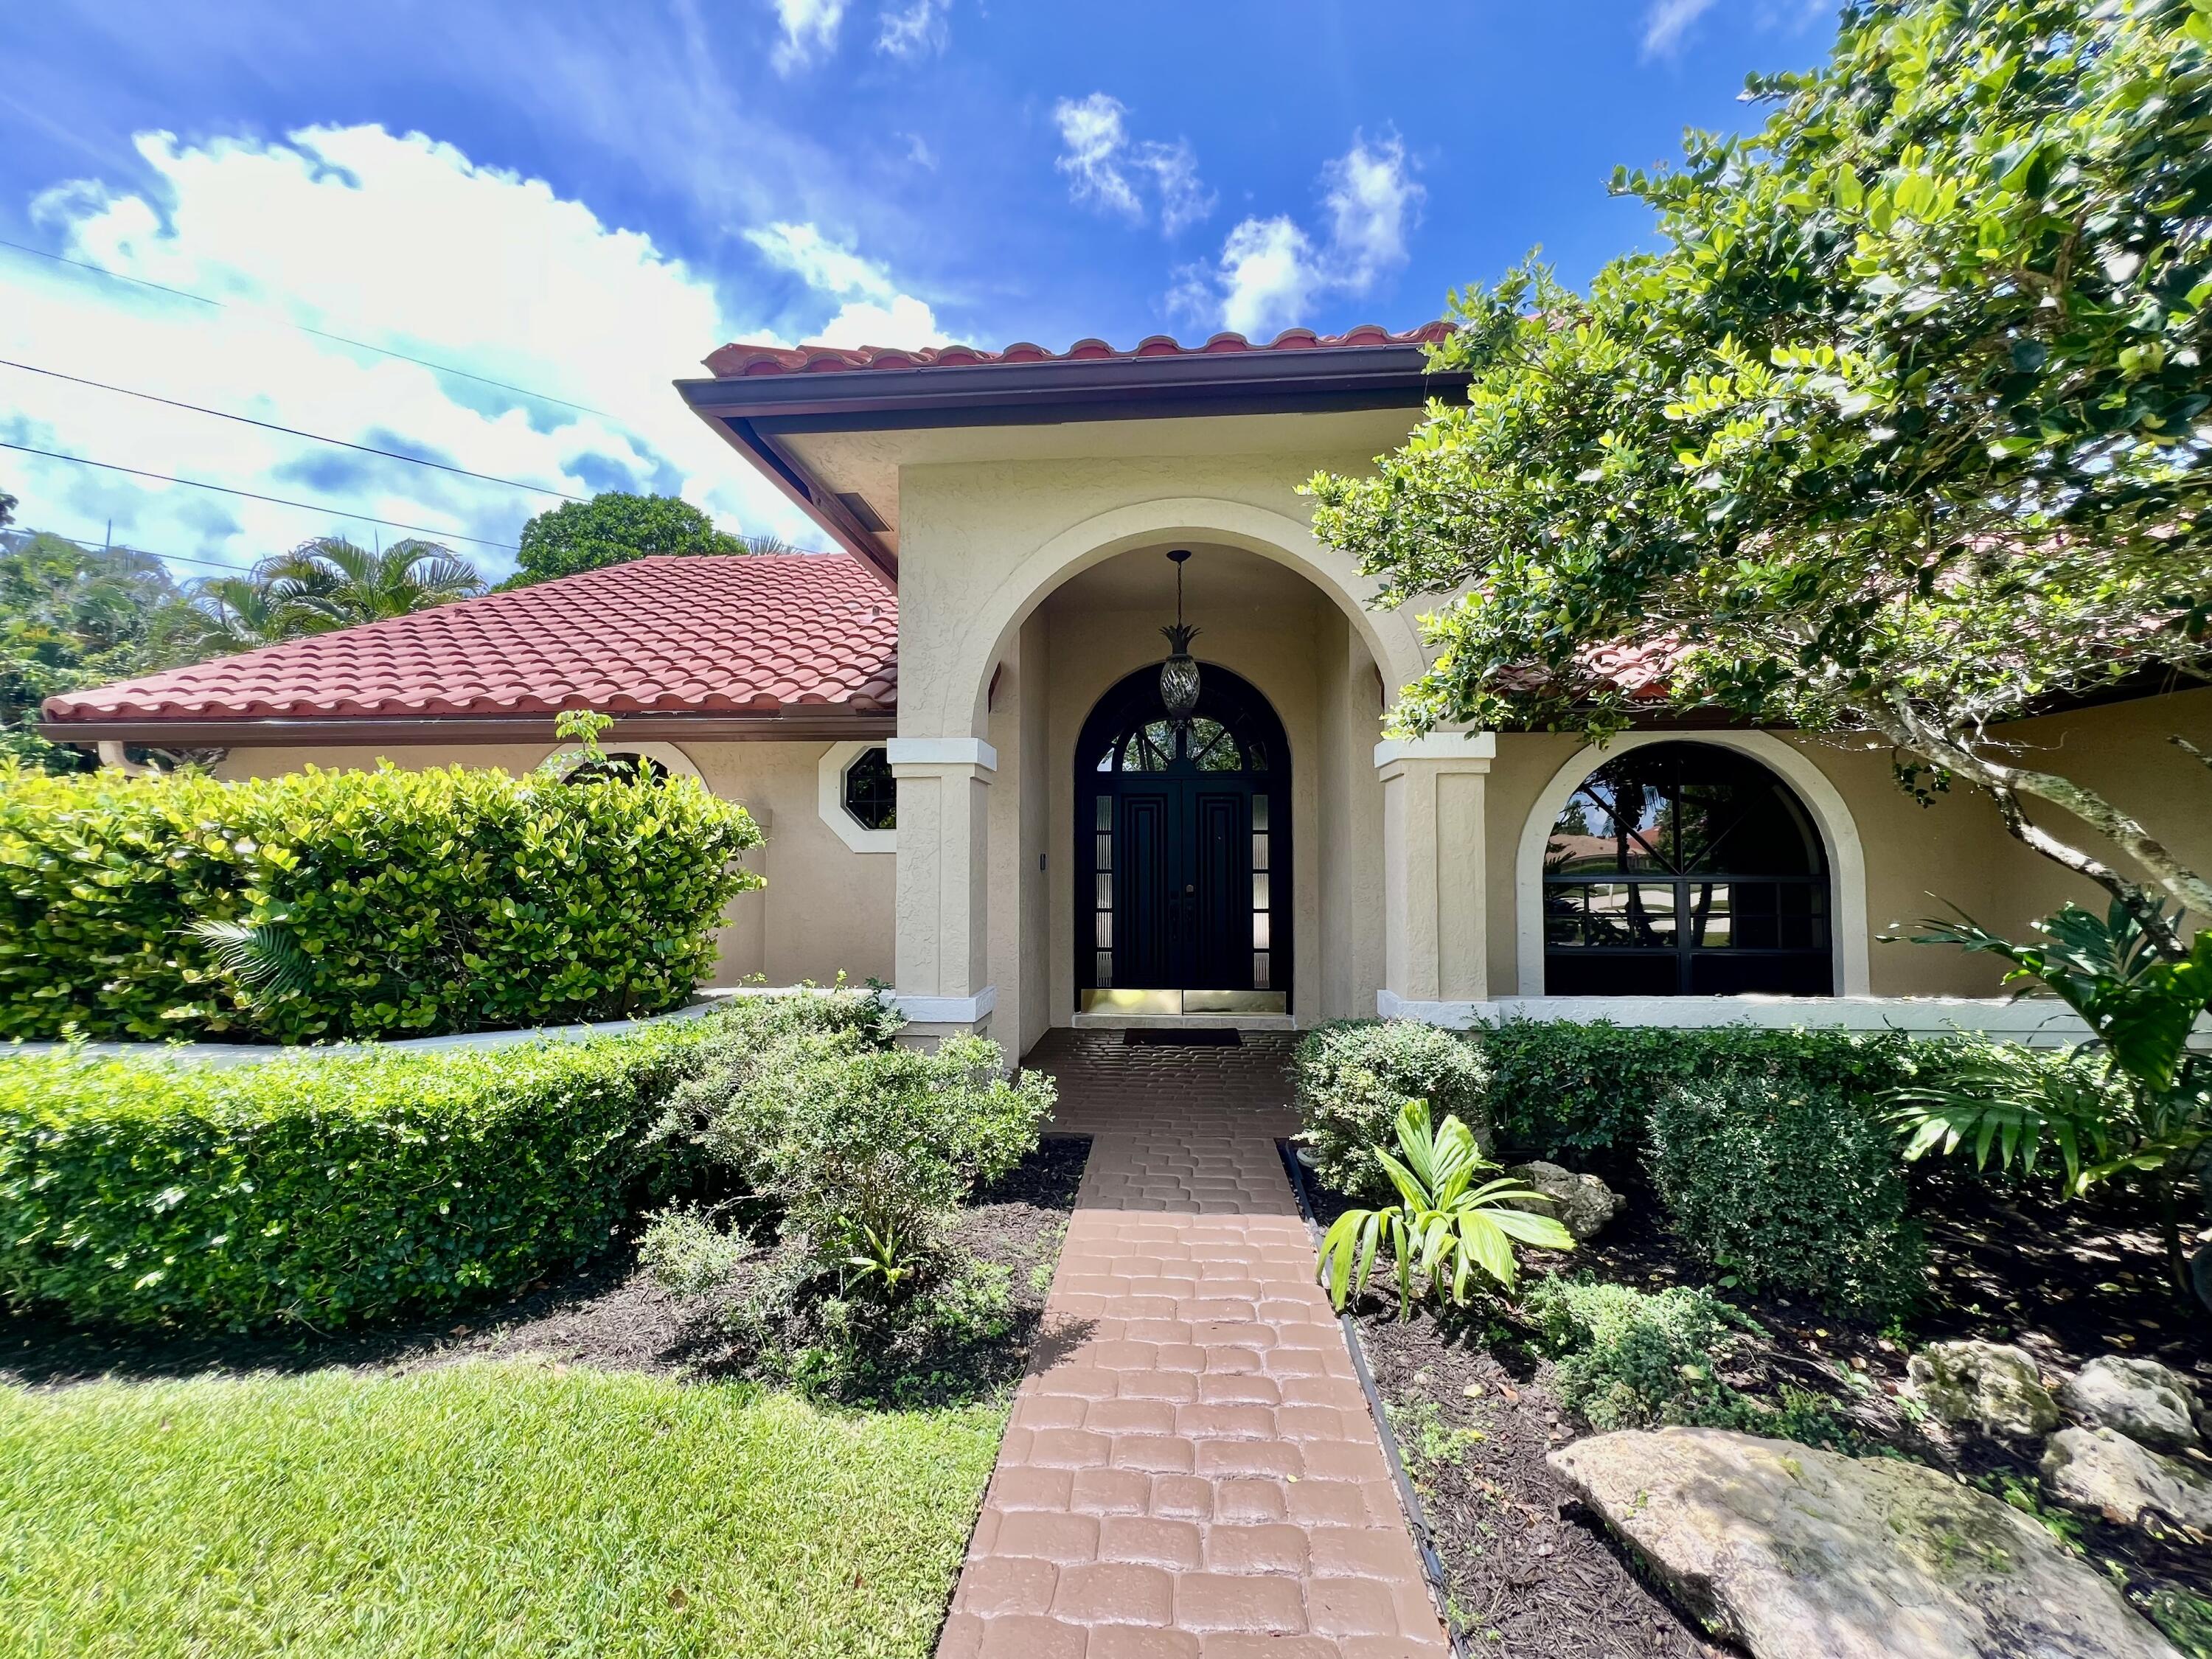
(942, 954)
(1435, 916)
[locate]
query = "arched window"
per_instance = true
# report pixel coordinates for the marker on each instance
(871, 791)
(1684, 869)
(621, 764)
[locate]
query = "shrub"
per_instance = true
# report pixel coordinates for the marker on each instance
(847, 1154)
(1560, 1087)
(1627, 1358)
(1354, 1075)
(1453, 1216)
(1789, 1183)
(852, 1138)
(329, 1191)
(398, 903)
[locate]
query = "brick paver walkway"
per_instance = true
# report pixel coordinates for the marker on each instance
(1191, 1472)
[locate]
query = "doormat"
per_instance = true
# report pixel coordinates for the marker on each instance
(1197, 1037)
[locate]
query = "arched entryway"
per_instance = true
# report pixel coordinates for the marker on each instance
(1685, 869)
(1182, 852)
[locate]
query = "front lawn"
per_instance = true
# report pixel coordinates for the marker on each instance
(477, 1508)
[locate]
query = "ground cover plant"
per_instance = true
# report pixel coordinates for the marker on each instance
(478, 1508)
(382, 903)
(327, 1190)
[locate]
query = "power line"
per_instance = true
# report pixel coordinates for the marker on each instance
(110, 547)
(292, 431)
(320, 334)
(278, 500)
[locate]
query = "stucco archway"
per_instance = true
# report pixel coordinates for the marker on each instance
(1839, 839)
(954, 702)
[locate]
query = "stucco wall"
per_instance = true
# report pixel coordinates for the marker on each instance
(825, 908)
(983, 544)
(1919, 859)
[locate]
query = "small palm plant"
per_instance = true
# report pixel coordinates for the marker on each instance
(2136, 1100)
(1444, 1226)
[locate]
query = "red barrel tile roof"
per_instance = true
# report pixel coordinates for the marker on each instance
(755, 635)
(741, 359)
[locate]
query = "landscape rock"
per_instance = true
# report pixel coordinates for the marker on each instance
(1798, 1553)
(2101, 1472)
(1992, 1385)
(2140, 1398)
(1581, 1203)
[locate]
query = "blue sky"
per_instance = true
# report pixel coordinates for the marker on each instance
(583, 199)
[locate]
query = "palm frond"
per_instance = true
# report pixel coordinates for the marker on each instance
(262, 959)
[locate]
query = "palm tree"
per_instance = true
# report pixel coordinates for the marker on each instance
(236, 614)
(328, 583)
(331, 583)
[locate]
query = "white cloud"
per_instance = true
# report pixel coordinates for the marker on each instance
(1106, 167)
(1268, 275)
(405, 242)
(1271, 270)
(873, 311)
(809, 26)
(1666, 21)
(820, 262)
(1096, 136)
(913, 30)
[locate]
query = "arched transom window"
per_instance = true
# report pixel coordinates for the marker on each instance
(1684, 869)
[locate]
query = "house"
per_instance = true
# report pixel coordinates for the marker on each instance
(955, 731)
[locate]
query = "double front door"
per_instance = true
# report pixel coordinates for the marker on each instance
(1183, 883)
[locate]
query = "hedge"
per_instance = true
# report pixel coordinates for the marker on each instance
(1789, 1183)
(331, 1191)
(412, 904)
(1562, 1089)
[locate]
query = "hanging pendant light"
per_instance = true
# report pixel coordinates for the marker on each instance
(1178, 673)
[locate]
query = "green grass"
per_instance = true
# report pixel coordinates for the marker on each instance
(479, 1509)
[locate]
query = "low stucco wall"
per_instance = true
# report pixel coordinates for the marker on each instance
(826, 908)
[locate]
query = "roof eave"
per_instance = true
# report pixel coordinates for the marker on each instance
(752, 412)
(804, 724)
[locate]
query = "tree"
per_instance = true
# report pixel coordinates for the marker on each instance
(73, 617)
(1903, 430)
(613, 528)
(328, 583)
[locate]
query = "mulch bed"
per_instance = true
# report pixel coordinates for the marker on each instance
(609, 1314)
(1530, 1573)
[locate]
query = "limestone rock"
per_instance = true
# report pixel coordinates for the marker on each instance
(1581, 1203)
(2140, 1398)
(1992, 1385)
(1805, 1554)
(2102, 1471)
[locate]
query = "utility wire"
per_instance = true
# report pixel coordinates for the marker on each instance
(291, 431)
(320, 334)
(112, 547)
(278, 500)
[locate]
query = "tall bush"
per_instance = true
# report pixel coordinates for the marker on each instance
(330, 1191)
(1355, 1075)
(1789, 1183)
(405, 904)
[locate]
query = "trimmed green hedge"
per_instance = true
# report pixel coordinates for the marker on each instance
(331, 1191)
(1789, 1183)
(1559, 1089)
(412, 903)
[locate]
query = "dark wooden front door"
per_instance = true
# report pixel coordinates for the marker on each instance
(1183, 850)
(1182, 881)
